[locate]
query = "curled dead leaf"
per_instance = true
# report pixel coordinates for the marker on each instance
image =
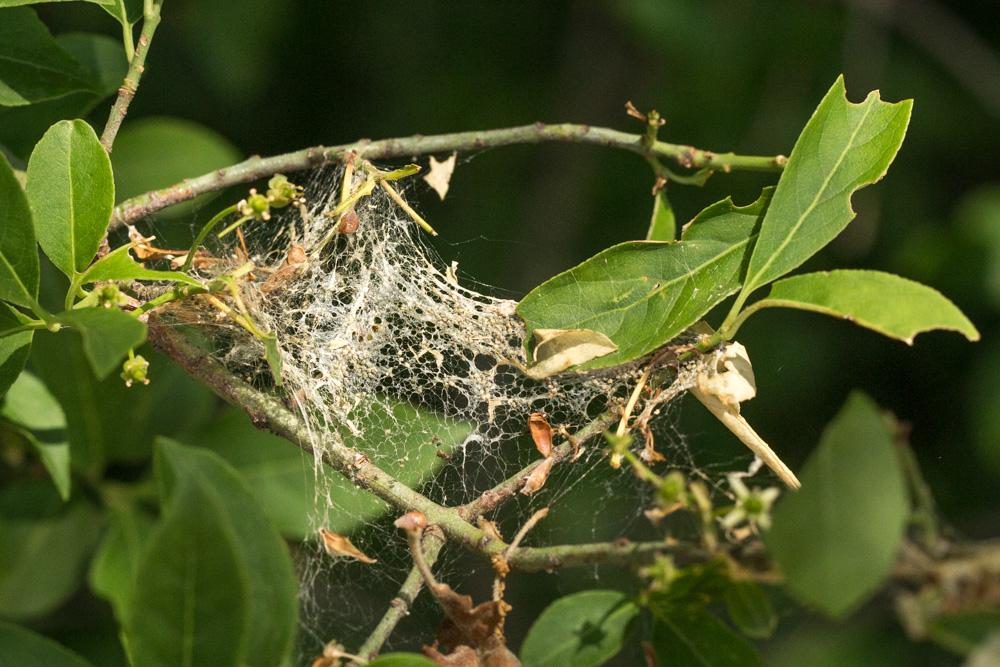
(439, 175)
(338, 545)
(536, 479)
(541, 433)
(411, 521)
(557, 350)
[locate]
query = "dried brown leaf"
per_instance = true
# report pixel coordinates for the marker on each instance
(338, 545)
(557, 350)
(536, 479)
(541, 433)
(439, 175)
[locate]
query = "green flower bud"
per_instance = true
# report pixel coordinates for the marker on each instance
(109, 296)
(134, 370)
(281, 192)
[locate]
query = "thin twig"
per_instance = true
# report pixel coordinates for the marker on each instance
(151, 19)
(309, 158)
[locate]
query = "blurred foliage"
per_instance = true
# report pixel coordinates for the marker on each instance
(264, 76)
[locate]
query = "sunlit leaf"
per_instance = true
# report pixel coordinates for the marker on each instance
(662, 223)
(108, 334)
(583, 629)
(641, 294)
(557, 350)
(33, 67)
(71, 191)
(843, 147)
(836, 539)
(30, 404)
(883, 302)
(119, 265)
(24, 648)
(18, 251)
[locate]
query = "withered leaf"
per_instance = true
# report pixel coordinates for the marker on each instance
(536, 479)
(541, 433)
(439, 175)
(340, 546)
(557, 350)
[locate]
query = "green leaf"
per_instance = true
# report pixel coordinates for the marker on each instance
(883, 302)
(108, 335)
(273, 356)
(55, 456)
(18, 252)
(843, 148)
(694, 586)
(71, 191)
(641, 294)
(119, 265)
(152, 153)
(44, 549)
(115, 566)
(228, 594)
(695, 638)
(30, 404)
(402, 660)
(33, 67)
(662, 224)
(126, 12)
(836, 540)
(22, 648)
(14, 348)
(582, 629)
(750, 610)
(102, 57)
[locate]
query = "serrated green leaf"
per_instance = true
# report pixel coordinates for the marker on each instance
(641, 294)
(889, 304)
(71, 192)
(836, 540)
(44, 549)
(662, 224)
(18, 251)
(750, 610)
(695, 638)
(402, 660)
(583, 629)
(119, 265)
(234, 534)
(115, 566)
(843, 148)
(33, 67)
(23, 648)
(108, 335)
(14, 348)
(29, 404)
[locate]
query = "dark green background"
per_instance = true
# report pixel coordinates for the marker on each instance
(275, 76)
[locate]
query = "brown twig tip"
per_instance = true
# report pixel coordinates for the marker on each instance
(411, 521)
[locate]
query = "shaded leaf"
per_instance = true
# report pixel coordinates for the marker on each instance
(115, 566)
(227, 594)
(662, 223)
(402, 660)
(125, 11)
(18, 251)
(695, 638)
(119, 265)
(108, 334)
(581, 629)
(836, 539)
(14, 348)
(24, 648)
(842, 148)
(71, 191)
(642, 294)
(44, 549)
(33, 67)
(750, 610)
(55, 456)
(883, 302)
(339, 546)
(273, 356)
(30, 404)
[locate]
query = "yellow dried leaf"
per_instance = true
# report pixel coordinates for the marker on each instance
(338, 545)
(557, 350)
(439, 175)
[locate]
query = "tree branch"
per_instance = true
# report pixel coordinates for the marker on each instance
(309, 158)
(150, 20)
